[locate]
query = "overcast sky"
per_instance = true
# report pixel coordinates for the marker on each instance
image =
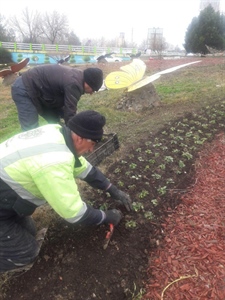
(93, 19)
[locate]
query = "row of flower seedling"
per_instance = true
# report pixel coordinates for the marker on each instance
(153, 170)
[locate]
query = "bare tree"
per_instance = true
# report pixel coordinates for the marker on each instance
(33, 27)
(158, 44)
(55, 27)
(6, 33)
(27, 26)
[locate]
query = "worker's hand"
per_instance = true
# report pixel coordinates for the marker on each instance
(113, 216)
(120, 196)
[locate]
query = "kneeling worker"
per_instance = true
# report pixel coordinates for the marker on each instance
(39, 166)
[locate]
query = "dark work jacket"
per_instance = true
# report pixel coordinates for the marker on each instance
(54, 87)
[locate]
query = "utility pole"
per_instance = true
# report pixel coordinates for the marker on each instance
(132, 35)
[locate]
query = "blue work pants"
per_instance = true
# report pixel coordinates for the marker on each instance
(27, 112)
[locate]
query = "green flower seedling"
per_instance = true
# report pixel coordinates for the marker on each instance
(117, 170)
(140, 158)
(133, 166)
(165, 133)
(162, 190)
(156, 176)
(143, 194)
(151, 161)
(147, 168)
(104, 206)
(137, 206)
(131, 224)
(120, 183)
(132, 187)
(187, 155)
(181, 164)
(162, 166)
(148, 151)
(149, 215)
(154, 202)
(168, 158)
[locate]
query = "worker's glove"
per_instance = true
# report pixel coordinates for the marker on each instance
(120, 196)
(113, 216)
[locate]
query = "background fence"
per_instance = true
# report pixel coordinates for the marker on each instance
(92, 50)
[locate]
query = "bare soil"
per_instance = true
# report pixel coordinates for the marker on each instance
(156, 171)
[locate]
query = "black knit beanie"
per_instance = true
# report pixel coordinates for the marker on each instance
(88, 124)
(94, 78)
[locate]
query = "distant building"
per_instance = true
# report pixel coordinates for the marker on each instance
(155, 39)
(121, 40)
(214, 3)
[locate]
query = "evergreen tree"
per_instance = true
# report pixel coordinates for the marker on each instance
(208, 29)
(5, 56)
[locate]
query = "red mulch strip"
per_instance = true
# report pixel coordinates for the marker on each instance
(192, 257)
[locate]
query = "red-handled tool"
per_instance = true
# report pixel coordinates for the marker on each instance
(108, 236)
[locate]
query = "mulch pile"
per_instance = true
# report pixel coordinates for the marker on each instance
(191, 262)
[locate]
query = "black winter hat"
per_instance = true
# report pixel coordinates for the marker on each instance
(94, 78)
(88, 124)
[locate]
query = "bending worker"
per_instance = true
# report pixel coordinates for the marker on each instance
(39, 166)
(52, 91)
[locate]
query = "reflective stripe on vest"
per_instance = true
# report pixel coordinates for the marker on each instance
(24, 153)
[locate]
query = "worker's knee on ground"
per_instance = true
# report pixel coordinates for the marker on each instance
(18, 248)
(18, 259)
